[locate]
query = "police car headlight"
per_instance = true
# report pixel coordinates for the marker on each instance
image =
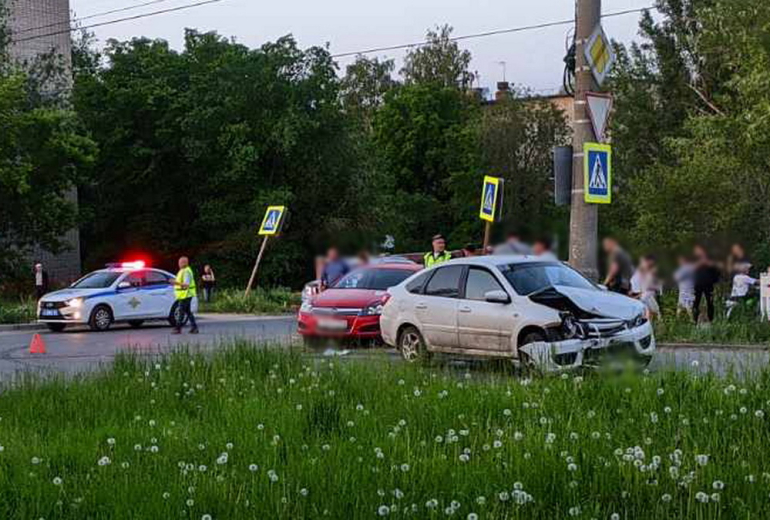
(74, 303)
(306, 307)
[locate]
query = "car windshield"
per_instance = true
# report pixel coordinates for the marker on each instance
(97, 280)
(530, 278)
(376, 279)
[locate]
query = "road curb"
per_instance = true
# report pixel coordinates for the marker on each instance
(21, 326)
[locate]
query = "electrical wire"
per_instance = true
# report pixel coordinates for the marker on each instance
(110, 22)
(488, 33)
(92, 16)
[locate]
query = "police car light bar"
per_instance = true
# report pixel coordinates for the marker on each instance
(137, 264)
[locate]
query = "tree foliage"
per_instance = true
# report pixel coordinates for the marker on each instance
(440, 62)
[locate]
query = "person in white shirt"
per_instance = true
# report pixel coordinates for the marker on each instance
(742, 285)
(645, 285)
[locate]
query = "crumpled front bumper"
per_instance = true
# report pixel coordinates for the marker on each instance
(574, 353)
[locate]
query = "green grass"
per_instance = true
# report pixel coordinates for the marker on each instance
(334, 439)
(260, 301)
(19, 311)
(743, 327)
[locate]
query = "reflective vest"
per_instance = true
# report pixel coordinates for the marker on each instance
(430, 260)
(182, 294)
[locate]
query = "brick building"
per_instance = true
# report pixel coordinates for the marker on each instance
(39, 27)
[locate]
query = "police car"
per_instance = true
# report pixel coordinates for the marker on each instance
(127, 292)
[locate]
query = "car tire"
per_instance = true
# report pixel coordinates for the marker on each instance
(412, 345)
(173, 316)
(56, 327)
(135, 324)
(530, 337)
(101, 318)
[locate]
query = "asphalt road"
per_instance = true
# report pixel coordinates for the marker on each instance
(80, 350)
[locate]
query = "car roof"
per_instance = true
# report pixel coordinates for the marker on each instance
(501, 260)
(404, 266)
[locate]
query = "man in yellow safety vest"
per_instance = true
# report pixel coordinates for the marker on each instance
(184, 291)
(438, 254)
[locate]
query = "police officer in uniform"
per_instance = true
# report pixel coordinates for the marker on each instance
(184, 290)
(438, 254)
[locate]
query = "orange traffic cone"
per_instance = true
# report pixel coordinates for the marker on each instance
(37, 346)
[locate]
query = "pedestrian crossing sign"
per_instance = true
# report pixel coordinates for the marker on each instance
(273, 220)
(597, 173)
(490, 199)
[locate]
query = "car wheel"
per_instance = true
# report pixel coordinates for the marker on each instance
(412, 345)
(175, 318)
(531, 337)
(101, 318)
(135, 324)
(55, 327)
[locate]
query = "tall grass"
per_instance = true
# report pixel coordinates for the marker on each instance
(259, 301)
(19, 311)
(259, 433)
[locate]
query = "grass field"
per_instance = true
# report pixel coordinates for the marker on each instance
(260, 301)
(260, 433)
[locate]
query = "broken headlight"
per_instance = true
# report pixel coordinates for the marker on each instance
(570, 326)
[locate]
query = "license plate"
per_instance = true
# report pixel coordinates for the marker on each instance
(336, 325)
(49, 312)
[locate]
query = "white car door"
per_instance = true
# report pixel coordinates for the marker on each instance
(436, 307)
(160, 294)
(483, 325)
(130, 302)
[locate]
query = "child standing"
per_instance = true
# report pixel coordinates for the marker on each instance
(684, 277)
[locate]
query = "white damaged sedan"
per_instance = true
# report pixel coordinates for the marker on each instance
(541, 312)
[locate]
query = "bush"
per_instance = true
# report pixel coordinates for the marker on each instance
(260, 301)
(21, 311)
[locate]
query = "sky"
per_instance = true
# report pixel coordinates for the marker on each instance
(533, 59)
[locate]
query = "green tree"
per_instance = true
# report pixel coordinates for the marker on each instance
(44, 152)
(440, 61)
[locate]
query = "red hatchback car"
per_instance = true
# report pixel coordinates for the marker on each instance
(350, 310)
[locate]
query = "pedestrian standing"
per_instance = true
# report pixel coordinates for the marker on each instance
(620, 268)
(684, 277)
(542, 248)
(184, 291)
(736, 260)
(209, 283)
(645, 285)
(512, 245)
(41, 280)
(334, 268)
(438, 253)
(706, 277)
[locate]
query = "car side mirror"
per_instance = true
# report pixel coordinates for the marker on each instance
(497, 297)
(124, 285)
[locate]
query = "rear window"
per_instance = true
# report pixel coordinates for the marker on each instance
(445, 282)
(376, 279)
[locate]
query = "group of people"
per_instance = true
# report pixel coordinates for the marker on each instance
(696, 277)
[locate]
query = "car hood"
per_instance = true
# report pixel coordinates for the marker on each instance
(69, 293)
(605, 304)
(347, 297)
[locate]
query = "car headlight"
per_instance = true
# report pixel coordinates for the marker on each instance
(373, 310)
(74, 302)
(306, 307)
(638, 321)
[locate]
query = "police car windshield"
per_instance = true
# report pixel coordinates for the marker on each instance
(529, 278)
(374, 279)
(97, 280)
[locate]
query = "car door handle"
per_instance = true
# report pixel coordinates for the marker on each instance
(464, 309)
(420, 306)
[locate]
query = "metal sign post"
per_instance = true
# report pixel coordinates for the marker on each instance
(271, 226)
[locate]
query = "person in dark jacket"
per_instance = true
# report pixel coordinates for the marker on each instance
(706, 277)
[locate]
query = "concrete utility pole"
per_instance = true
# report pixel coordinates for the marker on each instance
(584, 219)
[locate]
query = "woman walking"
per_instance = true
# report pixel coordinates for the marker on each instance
(209, 281)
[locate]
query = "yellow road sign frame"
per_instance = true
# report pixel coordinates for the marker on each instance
(263, 230)
(484, 215)
(592, 198)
